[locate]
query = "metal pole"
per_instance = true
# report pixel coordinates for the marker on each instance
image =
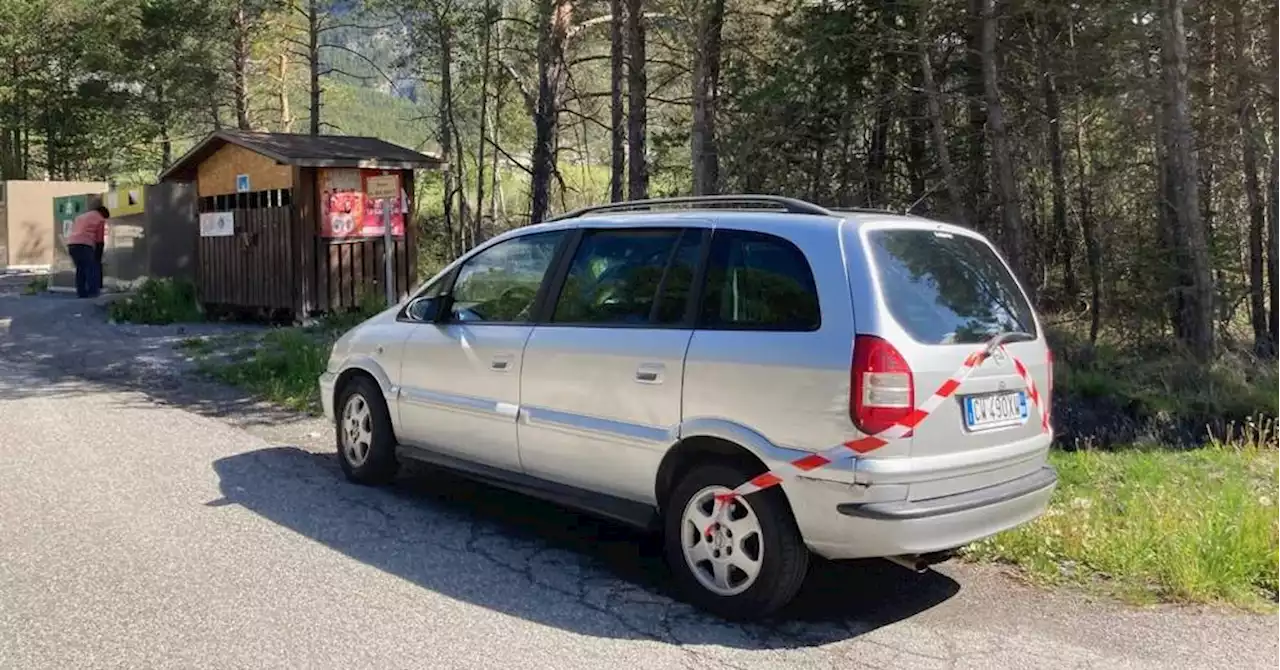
(388, 253)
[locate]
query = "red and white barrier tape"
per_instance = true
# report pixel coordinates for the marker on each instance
(870, 443)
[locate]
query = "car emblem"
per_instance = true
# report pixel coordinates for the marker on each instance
(999, 356)
(1003, 386)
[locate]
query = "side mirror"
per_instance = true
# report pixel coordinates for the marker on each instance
(425, 310)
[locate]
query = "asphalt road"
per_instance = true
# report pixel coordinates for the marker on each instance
(147, 521)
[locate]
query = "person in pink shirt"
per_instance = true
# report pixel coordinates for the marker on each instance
(88, 231)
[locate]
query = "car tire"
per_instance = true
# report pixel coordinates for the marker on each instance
(365, 439)
(781, 558)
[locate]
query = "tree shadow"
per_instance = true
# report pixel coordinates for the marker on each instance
(62, 341)
(468, 541)
(544, 563)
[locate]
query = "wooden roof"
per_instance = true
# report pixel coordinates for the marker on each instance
(306, 151)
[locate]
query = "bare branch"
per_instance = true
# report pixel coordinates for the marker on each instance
(508, 156)
(530, 100)
(337, 26)
(366, 59)
(669, 101)
(587, 59)
(584, 117)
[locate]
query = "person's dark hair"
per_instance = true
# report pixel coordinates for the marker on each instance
(106, 213)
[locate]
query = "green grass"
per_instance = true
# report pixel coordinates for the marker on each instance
(36, 286)
(159, 301)
(281, 366)
(1146, 526)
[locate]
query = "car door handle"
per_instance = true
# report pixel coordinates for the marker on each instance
(501, 362)
(650, 373)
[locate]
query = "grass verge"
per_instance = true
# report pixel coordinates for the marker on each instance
(1196, 526)
(159, 301)
(36, 286)
(281, 366)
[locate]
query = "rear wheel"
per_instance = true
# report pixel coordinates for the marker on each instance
(744, 563)
(366, 442)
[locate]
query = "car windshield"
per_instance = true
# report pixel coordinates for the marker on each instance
(947, 289)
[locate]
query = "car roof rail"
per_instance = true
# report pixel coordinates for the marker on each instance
(865, 210)
(789, 205)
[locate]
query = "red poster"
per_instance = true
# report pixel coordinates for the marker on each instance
(373, 209)
(345, 210)
(341, 203)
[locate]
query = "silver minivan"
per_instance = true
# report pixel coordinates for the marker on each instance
(758, 378)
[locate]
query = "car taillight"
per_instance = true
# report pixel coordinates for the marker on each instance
(882, 388)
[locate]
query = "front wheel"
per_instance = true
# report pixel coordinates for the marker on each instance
(743, 564)
(366, 442)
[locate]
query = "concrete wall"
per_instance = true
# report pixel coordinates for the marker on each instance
(158, 242)
(4, 231)
(30, 241)
(173, 230)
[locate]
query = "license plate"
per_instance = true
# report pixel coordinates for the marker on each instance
(992, 410)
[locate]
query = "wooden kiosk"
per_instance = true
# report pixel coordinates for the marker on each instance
(285, 226)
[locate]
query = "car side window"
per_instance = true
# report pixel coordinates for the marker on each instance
(500, 284)
(678, 281)
(614, 277)
(757, 281)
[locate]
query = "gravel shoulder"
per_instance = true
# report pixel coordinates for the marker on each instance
(153, 519)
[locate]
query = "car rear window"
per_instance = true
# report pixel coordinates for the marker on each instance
(947, 289)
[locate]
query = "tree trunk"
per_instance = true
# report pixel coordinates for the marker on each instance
(617, 114)
(162, 127)
(552, 24)
(637, 104)
(445, 132)
(313, 64)
(1062, 233)
(917, 123)
(1092, 246)
(1273, 193)
(976, 168)
(933, 100)
(1006, 183)
(1210, 117)
(487, 50)
(1196, 284)
(240, 46)
(286, 116)
(497, 196)
(706, 76)
(878, 152)
(1253, 193)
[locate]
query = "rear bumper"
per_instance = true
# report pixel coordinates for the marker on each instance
(875, 529)
(906, 510)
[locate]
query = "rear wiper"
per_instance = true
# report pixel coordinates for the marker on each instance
(1007, 337)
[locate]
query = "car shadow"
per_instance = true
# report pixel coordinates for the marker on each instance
(544, 563)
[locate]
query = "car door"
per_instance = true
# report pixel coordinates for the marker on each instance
(601, 382)
(460, 375)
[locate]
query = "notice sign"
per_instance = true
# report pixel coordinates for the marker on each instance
(387, 194)
(382, 187)
(242, 183)
(217, 224)
(351, 202)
